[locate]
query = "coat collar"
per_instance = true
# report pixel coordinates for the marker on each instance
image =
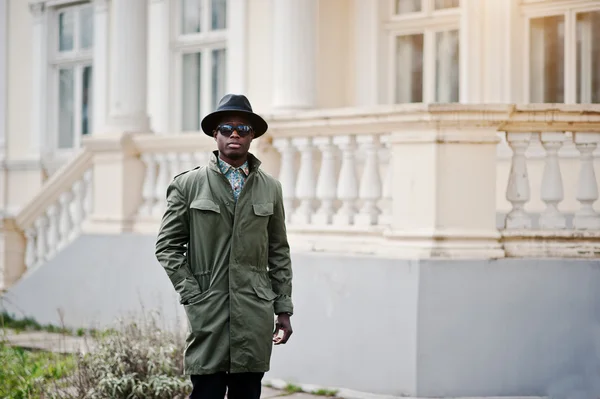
(253, 162)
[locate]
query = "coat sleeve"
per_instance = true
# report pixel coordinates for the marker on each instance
(172, 241)
(280, 264)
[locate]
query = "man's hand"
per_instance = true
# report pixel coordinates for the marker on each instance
(283, 329)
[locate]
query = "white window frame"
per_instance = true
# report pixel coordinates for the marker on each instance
(202, 42)
(428, 22)
(532, 9)
(79, 59)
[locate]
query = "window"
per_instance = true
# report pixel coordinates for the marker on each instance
(201, 63)
(563, 53)
(425, 42)
(588, 57)
(71, 74)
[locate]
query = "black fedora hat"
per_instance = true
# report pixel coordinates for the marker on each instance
(234, 104)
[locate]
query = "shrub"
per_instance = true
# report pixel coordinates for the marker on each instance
(138, 361)
(24, 374)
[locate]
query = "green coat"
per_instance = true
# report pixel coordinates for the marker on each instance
(230, 264)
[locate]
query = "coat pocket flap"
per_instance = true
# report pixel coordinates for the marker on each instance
(263, 209)
(265, 293)
(205, 205)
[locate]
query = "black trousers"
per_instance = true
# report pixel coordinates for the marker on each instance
(238, 386)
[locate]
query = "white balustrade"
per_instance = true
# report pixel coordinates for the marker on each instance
(306, 185)
(552, 185)
(173, 165)
(518, 182)
(201, 157)
(31, 247)
(186, 161)
(587, 189)
(53, 229)
(160, 170)
(327, 181)
(386, 191)
(162, 182)
(88, 200)
(79, 198)
(60, 223)
(287, 173)
(149, 195)
(66, 217)
(370, 183)
(41, 232)
(347, 189)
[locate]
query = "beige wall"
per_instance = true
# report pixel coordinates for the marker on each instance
(19, 79)
(335, 86)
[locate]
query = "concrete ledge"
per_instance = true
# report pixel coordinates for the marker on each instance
(343, 393)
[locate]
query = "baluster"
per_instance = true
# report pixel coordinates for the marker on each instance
(326, 183)
(174, 168)
(517, 191)
(552, 186)
(287, 173)
(186, 161)
(385, 218)
(79, 208)
(370, 182)
(305, 187)
(148, 191)
(201, 158)
(66, 220)
(88, 196)
(31, 247)
(41, 232)
(162, 182)
(347, 188)
(587, 187)
(53, 232)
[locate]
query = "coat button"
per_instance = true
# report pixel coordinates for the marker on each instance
(226, 202)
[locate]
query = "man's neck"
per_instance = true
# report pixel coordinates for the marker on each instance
(236, 163)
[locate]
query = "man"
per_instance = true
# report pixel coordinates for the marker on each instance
(223, 244)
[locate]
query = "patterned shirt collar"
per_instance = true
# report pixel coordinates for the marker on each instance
(226, 168)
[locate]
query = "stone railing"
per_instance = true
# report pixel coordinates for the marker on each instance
(339, 180)
(55, 216)
(398, 181)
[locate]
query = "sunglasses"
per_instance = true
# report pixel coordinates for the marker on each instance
(227, 129)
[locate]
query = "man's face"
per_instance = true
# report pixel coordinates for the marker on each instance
(233, 144)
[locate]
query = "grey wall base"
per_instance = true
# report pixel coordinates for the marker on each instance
(421, 328)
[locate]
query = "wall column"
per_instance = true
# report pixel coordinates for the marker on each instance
(294, 49)
(100, 74)
(158, 66)
(128, 67)
(39, 37)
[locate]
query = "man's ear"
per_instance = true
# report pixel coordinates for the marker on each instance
(215, 134)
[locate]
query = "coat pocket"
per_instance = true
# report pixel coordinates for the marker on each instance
(263, 209)
(265, 293)
(207, 313)
(205, 204)
(204, 214)
(259, 221)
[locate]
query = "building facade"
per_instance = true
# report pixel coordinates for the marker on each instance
(439, 160)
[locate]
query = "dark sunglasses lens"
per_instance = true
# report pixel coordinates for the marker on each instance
(243, 130)
(227, 130)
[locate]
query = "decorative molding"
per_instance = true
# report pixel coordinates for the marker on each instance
(20, 165)
(100, 6)
(37, 9)
(551, 243)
